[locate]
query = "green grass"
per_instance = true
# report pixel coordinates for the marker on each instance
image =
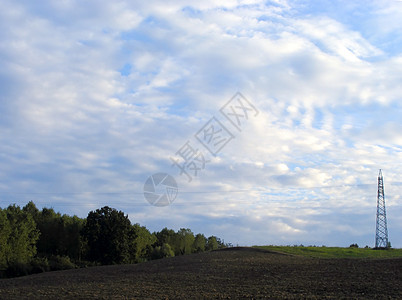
(335, 252)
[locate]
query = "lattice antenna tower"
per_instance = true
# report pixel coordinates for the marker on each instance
(381, 231)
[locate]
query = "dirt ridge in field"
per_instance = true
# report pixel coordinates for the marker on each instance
(232, 273)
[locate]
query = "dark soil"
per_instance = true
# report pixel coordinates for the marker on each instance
(234, 273)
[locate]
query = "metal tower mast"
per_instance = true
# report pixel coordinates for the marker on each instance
(381, 232)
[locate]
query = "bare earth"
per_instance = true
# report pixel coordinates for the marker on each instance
(234, 273)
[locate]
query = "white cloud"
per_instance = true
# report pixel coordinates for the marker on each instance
(328, 97)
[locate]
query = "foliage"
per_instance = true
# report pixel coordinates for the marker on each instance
(17, 268)
(35, 241)
(40, 265)
(108, 233)
(18, 237)
(200, 243)
(162, 251)
(185, 241)
(60, 234)
(167, 251)
(212, 243)
(61, 263)
(167, 236)
(141, 243)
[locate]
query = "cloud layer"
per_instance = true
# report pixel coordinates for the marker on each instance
(96, 97)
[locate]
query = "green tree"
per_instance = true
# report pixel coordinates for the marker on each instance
(71, 243)
(31, 209)
(18, 236)
(141, 243)
(168, 236)
(212, 243)
(5, 231)
(200, 242)
(221, 243)
(108, 234)
(186, 240)
(165, 236)
(51, 229)
(60, 234)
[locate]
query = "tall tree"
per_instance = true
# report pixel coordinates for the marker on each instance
(200, 242)
(212, 243)
(51, 229)
(18, 236)
(71, 243)
(186, 240)
(5, 231)
(108, 233)
(167, 236)
(31, 209)
(60, 234)
(141, 243)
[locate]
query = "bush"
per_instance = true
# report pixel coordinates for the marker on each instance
(61, 263)
(354, 246)
(162, 252)
(39, 265)
(18, 269)
(86, 264)
(167, 250)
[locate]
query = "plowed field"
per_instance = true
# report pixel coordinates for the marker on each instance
(233, 273)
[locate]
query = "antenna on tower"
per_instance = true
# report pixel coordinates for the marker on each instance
(381, 231)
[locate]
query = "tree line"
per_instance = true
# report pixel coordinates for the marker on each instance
(33, 240)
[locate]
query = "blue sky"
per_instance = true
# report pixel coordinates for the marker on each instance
(96, 96)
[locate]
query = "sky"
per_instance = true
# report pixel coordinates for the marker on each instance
(272, 117)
